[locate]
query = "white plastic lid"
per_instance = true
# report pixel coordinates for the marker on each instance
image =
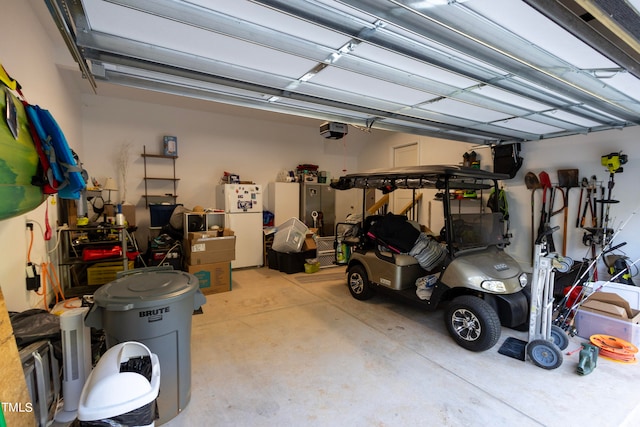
(109, 392)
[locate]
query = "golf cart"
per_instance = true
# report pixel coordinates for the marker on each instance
(483, 286)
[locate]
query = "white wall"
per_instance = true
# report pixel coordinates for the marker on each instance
(209, 143)
(29, 56)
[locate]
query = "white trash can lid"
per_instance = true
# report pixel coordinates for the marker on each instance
(109, 392)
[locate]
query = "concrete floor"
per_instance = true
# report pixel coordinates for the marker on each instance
(298, 350)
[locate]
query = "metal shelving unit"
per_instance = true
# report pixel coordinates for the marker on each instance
(147, 179)
(73, 269)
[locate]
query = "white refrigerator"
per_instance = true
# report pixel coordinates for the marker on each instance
(242, 204)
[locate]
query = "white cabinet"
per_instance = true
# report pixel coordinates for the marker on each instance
(202, 221)
(283, 201)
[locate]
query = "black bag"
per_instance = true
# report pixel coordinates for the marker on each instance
(506, 159)
(395, 232)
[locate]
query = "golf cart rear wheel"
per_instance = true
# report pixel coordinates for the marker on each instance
(472, 323)
(559, 337)
(359, 284)
(544, 354)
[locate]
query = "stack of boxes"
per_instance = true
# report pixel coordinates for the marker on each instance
(208, 256)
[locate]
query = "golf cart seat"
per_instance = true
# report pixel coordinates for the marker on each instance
(400, 241)
(365, 240)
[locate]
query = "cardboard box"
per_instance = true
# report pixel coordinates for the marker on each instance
(214, 278)
(198, 235)
(309, 243)
(630, 293)
(612, 305)
(207, 248)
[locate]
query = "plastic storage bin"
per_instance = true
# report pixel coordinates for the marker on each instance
(293, 262)
(154, 307)
(290, 236)
(122, 388)
(105, 272)
(589, 323)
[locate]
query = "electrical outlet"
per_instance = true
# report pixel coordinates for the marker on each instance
(33, 278)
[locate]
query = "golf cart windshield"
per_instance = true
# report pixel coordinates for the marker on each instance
(473, 230)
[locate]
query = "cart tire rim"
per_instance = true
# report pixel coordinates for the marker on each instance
(466, 324)
(356, 283)
(544, 355)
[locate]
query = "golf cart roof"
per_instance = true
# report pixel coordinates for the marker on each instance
(425, 176)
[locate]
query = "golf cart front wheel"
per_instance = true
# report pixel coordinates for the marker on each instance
(472, 323)
(544, 354)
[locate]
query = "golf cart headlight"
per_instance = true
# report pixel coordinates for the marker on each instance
(523, 279)
(493, 286)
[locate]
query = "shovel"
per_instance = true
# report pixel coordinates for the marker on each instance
(532, 183)
(567, 178)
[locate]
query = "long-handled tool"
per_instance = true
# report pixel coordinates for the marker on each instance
(552, 198)
(532, 183)
(567, 178)
(588, 204)
(613, 162)
(545, 182)
(583, 184)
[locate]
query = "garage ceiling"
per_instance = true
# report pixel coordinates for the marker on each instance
(479, 71)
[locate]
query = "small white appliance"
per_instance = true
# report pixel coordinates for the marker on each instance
(242, 204)
(76, 360)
